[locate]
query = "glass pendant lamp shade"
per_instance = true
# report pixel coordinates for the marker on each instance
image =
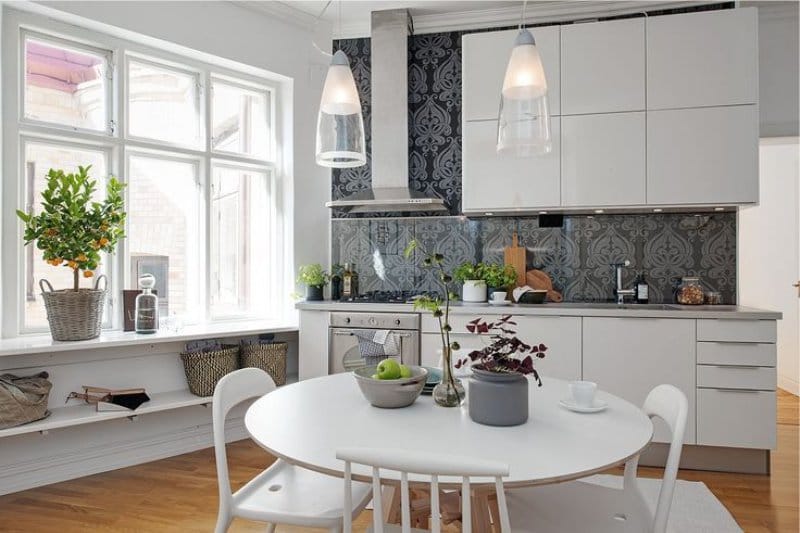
(340, 124)
(523, 127)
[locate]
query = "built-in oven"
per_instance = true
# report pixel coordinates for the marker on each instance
(398, 336)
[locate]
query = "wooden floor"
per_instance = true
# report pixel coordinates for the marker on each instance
(180, 494)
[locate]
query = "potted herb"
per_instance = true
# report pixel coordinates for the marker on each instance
(449, 392)
(72, 231)
(314, 278)
(474, 286)
(498, 388)
(498, 277)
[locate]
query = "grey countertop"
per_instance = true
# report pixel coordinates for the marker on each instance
(733, 312)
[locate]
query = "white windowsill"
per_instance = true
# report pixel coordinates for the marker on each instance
(36, 344)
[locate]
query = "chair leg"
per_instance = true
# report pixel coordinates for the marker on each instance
(270, 528)
(336, 529)
(223, 522)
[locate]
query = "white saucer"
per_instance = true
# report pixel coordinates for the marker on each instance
(501, 303)
(570, 404)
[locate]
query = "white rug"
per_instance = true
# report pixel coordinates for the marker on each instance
(694, 509)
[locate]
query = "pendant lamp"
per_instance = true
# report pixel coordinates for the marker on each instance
(523, 128)
(340, 124)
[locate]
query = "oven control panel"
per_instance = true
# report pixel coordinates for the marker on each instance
(375, 320)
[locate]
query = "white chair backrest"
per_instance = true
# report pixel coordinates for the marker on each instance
(433, 465)
(230, 391)
(669, 404)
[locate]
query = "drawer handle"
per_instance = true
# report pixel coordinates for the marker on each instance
(743, 367)
(737, 390)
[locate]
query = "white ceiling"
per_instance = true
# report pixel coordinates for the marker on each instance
(442, 15)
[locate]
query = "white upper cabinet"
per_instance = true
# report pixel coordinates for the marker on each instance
(603, 67)
(485, 57)
(702, 156)
(702, 59)
(603, 159)
(493, 182)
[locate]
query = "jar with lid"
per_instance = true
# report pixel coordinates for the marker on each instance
(713, 298)
(146, 306)
(690, 292)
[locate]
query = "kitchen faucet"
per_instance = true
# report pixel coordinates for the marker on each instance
(619, 292)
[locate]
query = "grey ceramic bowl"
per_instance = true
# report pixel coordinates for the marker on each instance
(390, 393)
(533, 297)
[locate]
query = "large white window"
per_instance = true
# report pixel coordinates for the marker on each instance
(195, 144)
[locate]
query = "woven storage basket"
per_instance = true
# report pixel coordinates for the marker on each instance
(204, 369)
(268, 357)
(74, 315)
(23, 399)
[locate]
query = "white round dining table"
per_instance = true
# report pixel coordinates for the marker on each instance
(305, 423)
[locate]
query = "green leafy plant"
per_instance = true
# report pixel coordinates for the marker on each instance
(312, 275)
(73, 230)
(468, 271)
(439, 308)
(499, 276)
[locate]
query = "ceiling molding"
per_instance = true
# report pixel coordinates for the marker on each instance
(559, 11)
(279, 10)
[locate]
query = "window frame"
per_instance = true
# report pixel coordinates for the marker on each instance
(118, 144)
(268, 92)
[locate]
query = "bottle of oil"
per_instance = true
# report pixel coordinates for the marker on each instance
(349, 282)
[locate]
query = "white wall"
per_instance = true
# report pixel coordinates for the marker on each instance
(778, 63)
(253, 37)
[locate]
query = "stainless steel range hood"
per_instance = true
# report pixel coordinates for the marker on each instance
(390, 191)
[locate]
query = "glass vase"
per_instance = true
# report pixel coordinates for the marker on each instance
(449, 392)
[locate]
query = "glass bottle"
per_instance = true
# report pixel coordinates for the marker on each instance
(642, 290)
(449, 392)
(146, 316)
(349, 282)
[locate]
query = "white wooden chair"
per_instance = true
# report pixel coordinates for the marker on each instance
(426, 464)
(584, 506)
(283, 493)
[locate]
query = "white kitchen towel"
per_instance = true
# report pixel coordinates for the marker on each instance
(368, 346)
(694, 509)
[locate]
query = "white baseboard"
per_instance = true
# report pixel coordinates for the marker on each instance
(94, 460)
(789, 385)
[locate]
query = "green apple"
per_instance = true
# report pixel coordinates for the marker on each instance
(388, 369)
(375, 376)
(405, 372)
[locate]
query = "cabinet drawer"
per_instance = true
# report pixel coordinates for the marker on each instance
(737, 377)
(737, 330)
(739, 419)
(736, 353)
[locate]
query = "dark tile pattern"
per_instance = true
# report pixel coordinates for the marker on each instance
(577, 256)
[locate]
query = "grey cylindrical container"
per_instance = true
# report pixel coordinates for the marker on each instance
(498, 399)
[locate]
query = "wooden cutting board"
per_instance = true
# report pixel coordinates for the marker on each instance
(516, 257)
(540, 280)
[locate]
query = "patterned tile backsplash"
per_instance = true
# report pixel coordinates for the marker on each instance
(577, 255)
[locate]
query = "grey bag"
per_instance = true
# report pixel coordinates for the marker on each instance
(23, 399)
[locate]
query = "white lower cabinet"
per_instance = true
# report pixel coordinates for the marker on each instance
(628, 357)
(736, 418)
(312, 351)
(561, 335)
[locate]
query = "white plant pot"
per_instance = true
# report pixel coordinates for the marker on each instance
(474, 290)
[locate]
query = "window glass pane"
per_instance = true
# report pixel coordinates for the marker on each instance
(241, 120)
(65, 86)
(241, 235)
(163, 231)
(40, 157)
(163, 104)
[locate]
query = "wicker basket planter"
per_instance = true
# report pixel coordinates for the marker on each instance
(205, 369)
(74, 315)
(268, 357)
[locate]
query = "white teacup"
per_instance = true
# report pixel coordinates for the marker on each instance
(583, 392)
(498, 296)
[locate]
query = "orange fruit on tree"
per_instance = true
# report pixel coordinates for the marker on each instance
(88, 273)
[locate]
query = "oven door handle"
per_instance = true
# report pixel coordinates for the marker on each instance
(349, 333)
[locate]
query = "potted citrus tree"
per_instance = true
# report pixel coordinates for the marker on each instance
(72, 230)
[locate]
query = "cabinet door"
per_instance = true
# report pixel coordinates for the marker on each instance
(702, 59)
(736, 418)
(491, 181)
(628, 357)
(603, 160)
(485, 58)
(561, 335)
(603, 67)
(703, 156)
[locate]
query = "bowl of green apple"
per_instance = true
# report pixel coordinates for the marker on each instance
(390, 384)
